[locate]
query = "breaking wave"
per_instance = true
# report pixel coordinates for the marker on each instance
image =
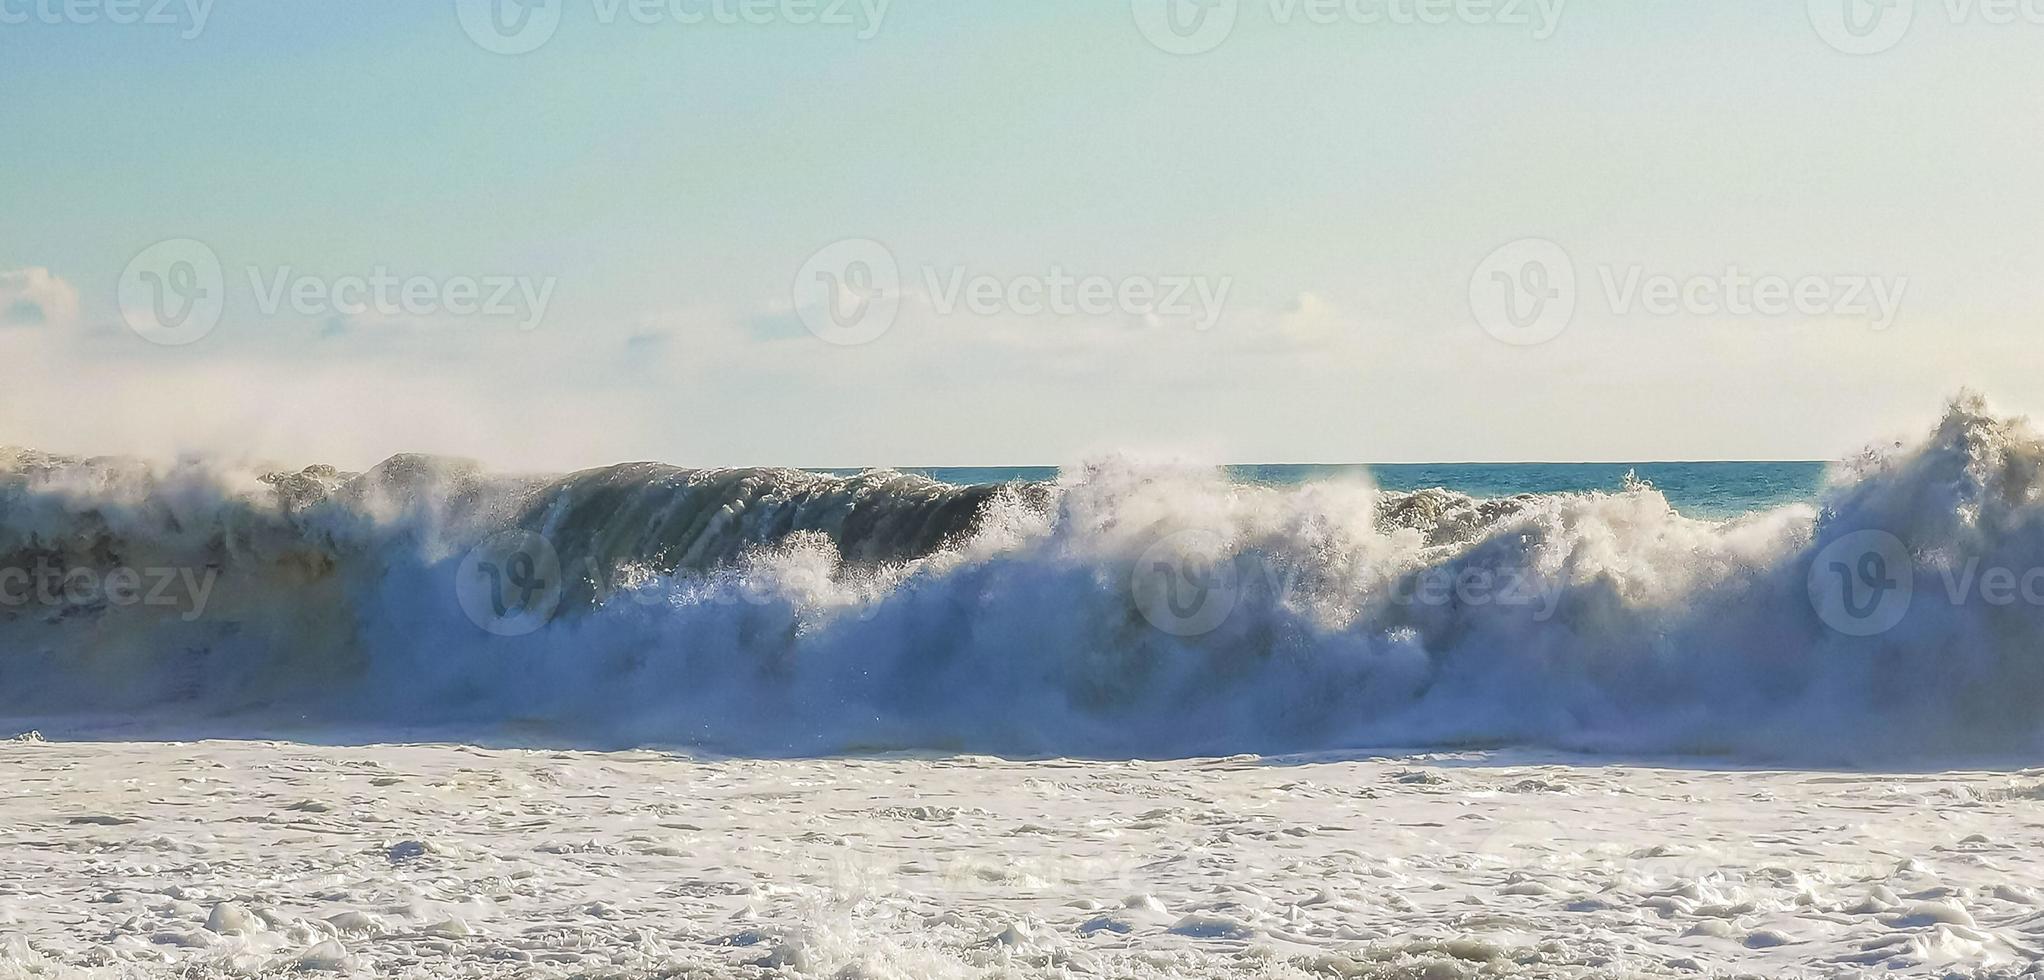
(1123, 610)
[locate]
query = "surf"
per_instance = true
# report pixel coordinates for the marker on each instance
(1124, 609)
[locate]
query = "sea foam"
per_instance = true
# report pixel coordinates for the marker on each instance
(781, 612)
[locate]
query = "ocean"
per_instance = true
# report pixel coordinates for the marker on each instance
(1630, 608)
(1120, 719)
(1701, 489)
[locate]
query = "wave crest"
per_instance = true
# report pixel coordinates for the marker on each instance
(1123, 610)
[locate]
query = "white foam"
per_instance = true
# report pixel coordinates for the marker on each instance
(1641, 630)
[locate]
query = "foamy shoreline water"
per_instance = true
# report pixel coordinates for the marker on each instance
(259, 858)
(1717, 770)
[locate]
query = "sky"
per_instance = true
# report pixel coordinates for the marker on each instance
(824, 233)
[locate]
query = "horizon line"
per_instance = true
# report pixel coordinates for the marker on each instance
(1463, 462)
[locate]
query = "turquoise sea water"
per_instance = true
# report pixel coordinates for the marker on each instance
(1707, 490)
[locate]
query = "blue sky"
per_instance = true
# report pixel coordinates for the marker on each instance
(1345, 180)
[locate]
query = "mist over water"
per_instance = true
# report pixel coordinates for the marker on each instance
(778, 612)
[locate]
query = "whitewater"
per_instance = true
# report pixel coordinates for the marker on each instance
(778, 612)
(1139, 720)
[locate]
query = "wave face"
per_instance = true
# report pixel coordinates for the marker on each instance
(1122, 610)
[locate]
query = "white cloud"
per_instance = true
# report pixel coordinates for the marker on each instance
(33, 297)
